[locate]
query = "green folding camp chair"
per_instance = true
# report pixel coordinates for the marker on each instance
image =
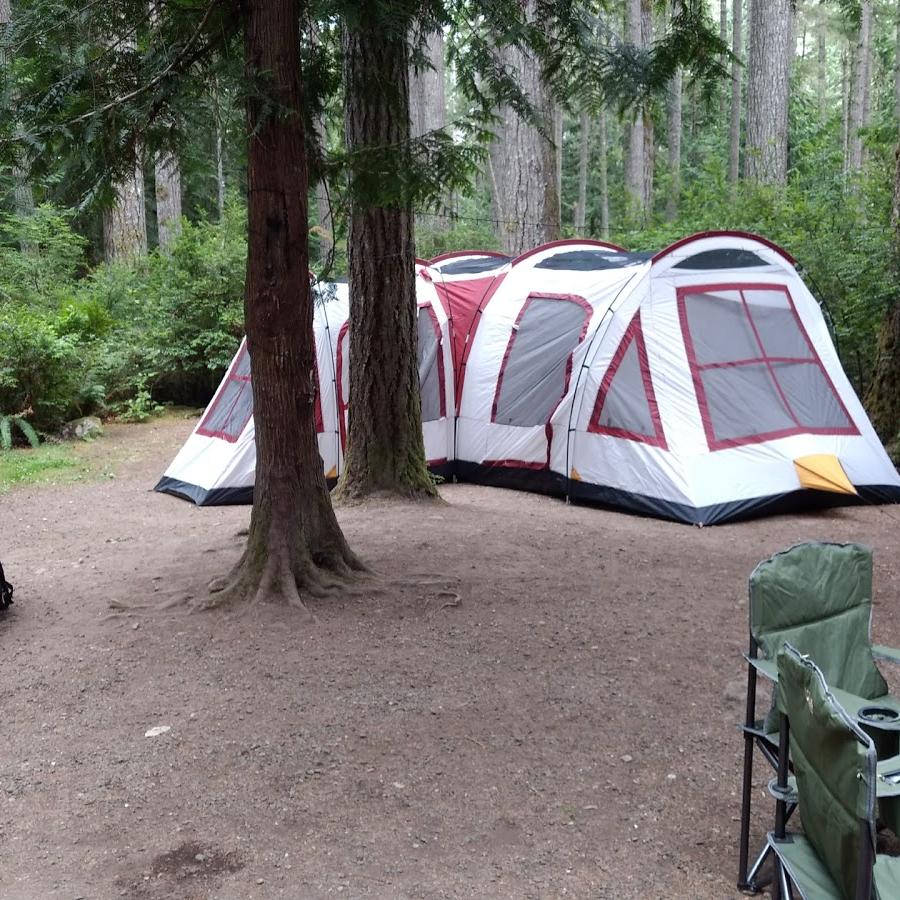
(838, 782)
(818, 596)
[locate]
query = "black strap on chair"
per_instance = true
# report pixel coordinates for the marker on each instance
(6, 590)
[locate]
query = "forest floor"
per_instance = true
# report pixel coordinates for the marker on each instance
(567, 727)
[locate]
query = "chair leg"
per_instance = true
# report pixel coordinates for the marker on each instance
(783, 770)
(744, 878)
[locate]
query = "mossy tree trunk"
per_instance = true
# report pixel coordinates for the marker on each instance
(295, 544)
(883, 397)
(385, 448)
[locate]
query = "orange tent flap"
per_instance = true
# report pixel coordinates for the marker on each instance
(823, 472)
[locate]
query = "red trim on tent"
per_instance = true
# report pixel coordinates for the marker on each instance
(231, 435)
(455, 254)
(567, 242)
(700, 235)
(342, 403)
(457, 297)
(698, 368)
(432, 315)
(438, 462)
(634, 333)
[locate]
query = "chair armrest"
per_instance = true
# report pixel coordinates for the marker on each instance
(768, 667)
(887, 653)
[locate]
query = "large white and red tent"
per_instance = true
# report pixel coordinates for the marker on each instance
(700, 384)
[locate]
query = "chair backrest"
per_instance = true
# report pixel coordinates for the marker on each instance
(834, 762)
(818, 596)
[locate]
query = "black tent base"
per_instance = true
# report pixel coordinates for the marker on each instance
(544, 481)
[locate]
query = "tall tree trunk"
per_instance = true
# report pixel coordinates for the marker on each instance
(860, 86)
(168, 200)
(883, 397)
(584, 157)
(734, 135)
(845, 109)
(220, 156)
(637, 164)
(125, 222)
(897, 65)
(294, 543)
(768, 88)
(167, 178)
(673, 140)
(525, 199)
(603, 163)
(22, 194)
(558, 131)
(723, 36)
(385, 447)
(428, 111)
(821, 62)
(323, 206)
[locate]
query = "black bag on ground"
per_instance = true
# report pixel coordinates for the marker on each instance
(6, 590)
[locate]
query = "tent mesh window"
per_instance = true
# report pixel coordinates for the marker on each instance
(431, 365)
(626, 402)
(230, 411)
(755, 370)
(534, 375)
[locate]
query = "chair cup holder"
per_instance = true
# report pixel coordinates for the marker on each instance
(878, 715)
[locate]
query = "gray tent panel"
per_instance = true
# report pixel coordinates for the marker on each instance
(533, 379)
(626, 406)
(429, 369)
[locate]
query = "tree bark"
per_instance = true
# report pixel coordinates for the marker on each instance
(125, 222)
(294, 543)
(23, 196)
(168, 200)
(897, 65)
(734, 135)
(427, 111)
(385, 447)
(525, 200)
(821, 62)
(323, 206)
(584, 156)
(603, 163)
(220, 156)
(673, 140)
(723, 36)
(639, 159)
(858, 116)
(845, 109)
(768, 88)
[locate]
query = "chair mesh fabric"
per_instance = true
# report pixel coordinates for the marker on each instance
(818, 597)
(834, 763)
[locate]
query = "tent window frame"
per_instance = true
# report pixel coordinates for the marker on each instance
(588, 311)
(230, 434)
(634, 334)
(429, 309)
(697, 368)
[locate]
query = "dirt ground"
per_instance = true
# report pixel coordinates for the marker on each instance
(568, 728)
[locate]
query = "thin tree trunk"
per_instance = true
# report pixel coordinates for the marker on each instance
(734, 136)
(428, 111)
(822, 62)
(22, 194)
(385, 447)
(168, 200)
(897, 65)
(723, 36)
(673, 140)
(768, 88)
(294, 543)
(859, 90)
(603, 161)
(845, 109)
(323, 206)
(125, 222)
(558, 129)
(525, 199)
(584, 157)
(220, 173)
(883, 396)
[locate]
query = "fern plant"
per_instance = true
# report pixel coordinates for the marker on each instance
(6, 427)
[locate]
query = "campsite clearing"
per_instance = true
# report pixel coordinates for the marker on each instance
(532, 700)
